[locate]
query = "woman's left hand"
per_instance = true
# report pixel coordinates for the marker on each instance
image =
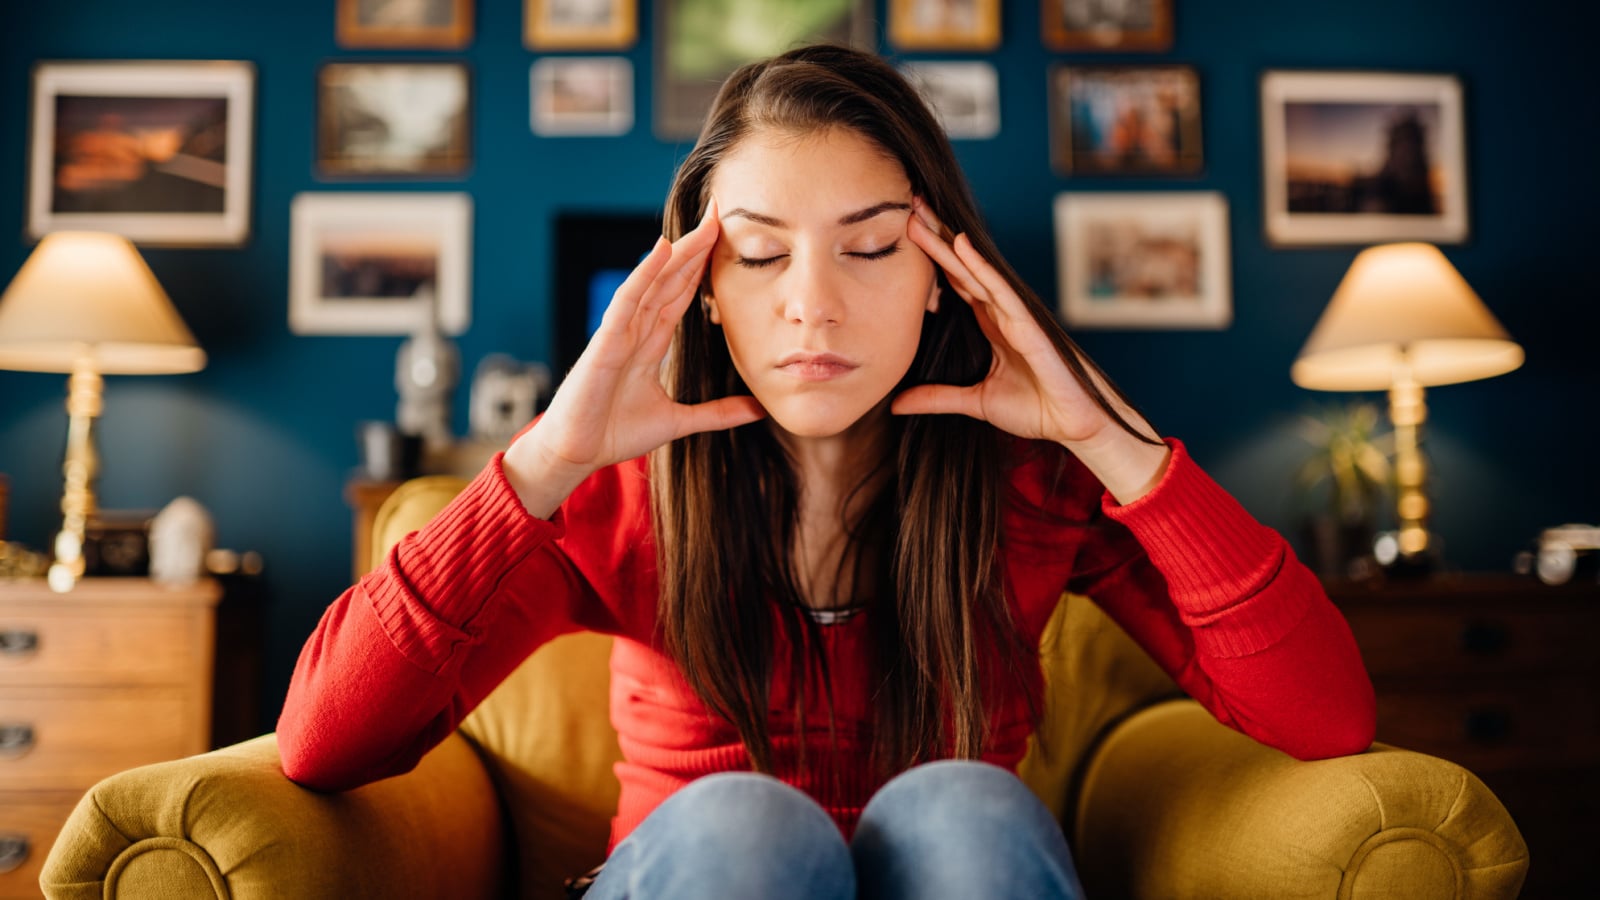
(1029, 391)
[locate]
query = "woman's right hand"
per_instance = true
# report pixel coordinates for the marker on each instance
(612, 406)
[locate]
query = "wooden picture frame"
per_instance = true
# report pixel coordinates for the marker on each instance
(159, 152)
(421, 24)
(579, 24)
(1088, 25)
(371, 263)
(964, 95)
(943, 25)
(1363, 158)
(1125, 120)
(397, 119)
(1144, 260)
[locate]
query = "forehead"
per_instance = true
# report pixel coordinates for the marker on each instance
(821, 174)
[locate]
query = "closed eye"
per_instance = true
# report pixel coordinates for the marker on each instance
(888, 251)
(750, 263)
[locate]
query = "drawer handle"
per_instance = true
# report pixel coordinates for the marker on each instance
(18, 643)
(13, 851)
(1488, 726)
(1485, 638)
(16, 739)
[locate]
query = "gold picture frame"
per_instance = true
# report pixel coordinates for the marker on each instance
(579, 24)
(943, 25)
(429, 24)
(1144, 25)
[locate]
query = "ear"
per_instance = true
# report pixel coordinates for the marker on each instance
(933, 295)
(710, 303)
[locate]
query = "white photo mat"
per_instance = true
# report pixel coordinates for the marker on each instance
(598, 95)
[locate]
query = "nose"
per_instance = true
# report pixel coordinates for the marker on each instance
(812, 294)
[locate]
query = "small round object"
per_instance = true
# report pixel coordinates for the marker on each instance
(1557, 560)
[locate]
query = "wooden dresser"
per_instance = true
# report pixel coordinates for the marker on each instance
(115, 674)
(1502, 675)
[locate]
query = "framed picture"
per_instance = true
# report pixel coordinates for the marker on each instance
(1144, 260)
(594, 253)
(701, 42)
(964, 95)
(1123, 120)
(159, 152)
(394, 119)
(436, 24)
(1363, 158)
(575, 95)
(377, 263)
(579, 24)
(1144, 25)
(944, 24)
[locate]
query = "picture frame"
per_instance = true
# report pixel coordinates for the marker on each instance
(418, 24)
(581, 95)
(370, 263)
(944, 25)
(1125, 120)
(964, 95)
(1145, 260)
(579, 24)
(1129, 25)
(1363, 157)
(394, 119)
(700, 42)
(158, 152)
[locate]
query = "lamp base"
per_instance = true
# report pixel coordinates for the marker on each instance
(1399, 565)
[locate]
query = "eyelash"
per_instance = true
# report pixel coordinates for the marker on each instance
(886, 252)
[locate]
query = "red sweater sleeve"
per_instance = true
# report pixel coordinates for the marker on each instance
(1223, 605)
(405, 654)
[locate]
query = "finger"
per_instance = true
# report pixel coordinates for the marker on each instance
(930, 219)
(994, 284)
(690, 253)
(625, 299)
(938, 399)
(944, 255)
(718, 415)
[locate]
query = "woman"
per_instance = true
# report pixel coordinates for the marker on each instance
(825, 471)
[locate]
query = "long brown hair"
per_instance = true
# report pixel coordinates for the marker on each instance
(725, 503)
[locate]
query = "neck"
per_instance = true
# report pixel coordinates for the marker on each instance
(830, 468)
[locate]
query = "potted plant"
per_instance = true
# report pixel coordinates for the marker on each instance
(1345, 482)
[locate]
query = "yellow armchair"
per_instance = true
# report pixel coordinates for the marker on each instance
(1160, 800)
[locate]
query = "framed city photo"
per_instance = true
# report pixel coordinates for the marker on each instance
(1118, 25)
(394, 119)
(964, 95)
(1123, 120)
(1363, 158)
(581, 95)
(159, 152)
(944, 24)
(433, 24)
(579, 24)
(1144, 260)
(379, 263)
(701, 42)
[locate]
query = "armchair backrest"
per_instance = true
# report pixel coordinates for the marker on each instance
(546, 738)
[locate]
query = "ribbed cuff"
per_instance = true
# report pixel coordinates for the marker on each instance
(435, 582)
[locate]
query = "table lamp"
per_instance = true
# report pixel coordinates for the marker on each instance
(1401, 320)
(85, 303)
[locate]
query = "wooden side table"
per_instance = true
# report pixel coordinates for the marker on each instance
(364, 496)
(1499, 674)
(115, 674)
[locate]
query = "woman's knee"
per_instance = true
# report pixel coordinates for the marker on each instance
(746, 812)
(969, 793)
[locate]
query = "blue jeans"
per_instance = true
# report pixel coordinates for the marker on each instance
(941, 830)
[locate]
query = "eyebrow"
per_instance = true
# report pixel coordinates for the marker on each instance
(860, 215)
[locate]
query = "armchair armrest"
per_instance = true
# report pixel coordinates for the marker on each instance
(230, 824)
(1176, 805)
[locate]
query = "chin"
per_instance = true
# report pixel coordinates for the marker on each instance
(813, 419)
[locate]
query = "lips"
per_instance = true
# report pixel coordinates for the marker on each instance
(808, 366)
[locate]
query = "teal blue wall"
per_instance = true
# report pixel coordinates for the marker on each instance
(264, 436)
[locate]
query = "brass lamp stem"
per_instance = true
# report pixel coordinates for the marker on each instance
(81, 466)
(1408, 411)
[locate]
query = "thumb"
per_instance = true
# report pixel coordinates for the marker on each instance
(936, 399)
(719, 415)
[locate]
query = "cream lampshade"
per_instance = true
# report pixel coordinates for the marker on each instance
(85, 303)
(1401, 320)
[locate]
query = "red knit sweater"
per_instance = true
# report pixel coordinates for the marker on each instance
(1218, 600)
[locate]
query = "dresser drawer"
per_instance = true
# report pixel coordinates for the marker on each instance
(1514, 723)
(34, 821)
(44, 646)
(70, 738)
(1442, 642)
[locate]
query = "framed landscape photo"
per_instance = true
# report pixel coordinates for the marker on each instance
(159, 152)
(1124, 120)
(1144, 260)
(700, 42)
(379, 263)
(411, 119)
(579, 24)
(1363, 158)
(581, 95)
(1116, 25)
(432, 24)
(944, 24)
(964, 95)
